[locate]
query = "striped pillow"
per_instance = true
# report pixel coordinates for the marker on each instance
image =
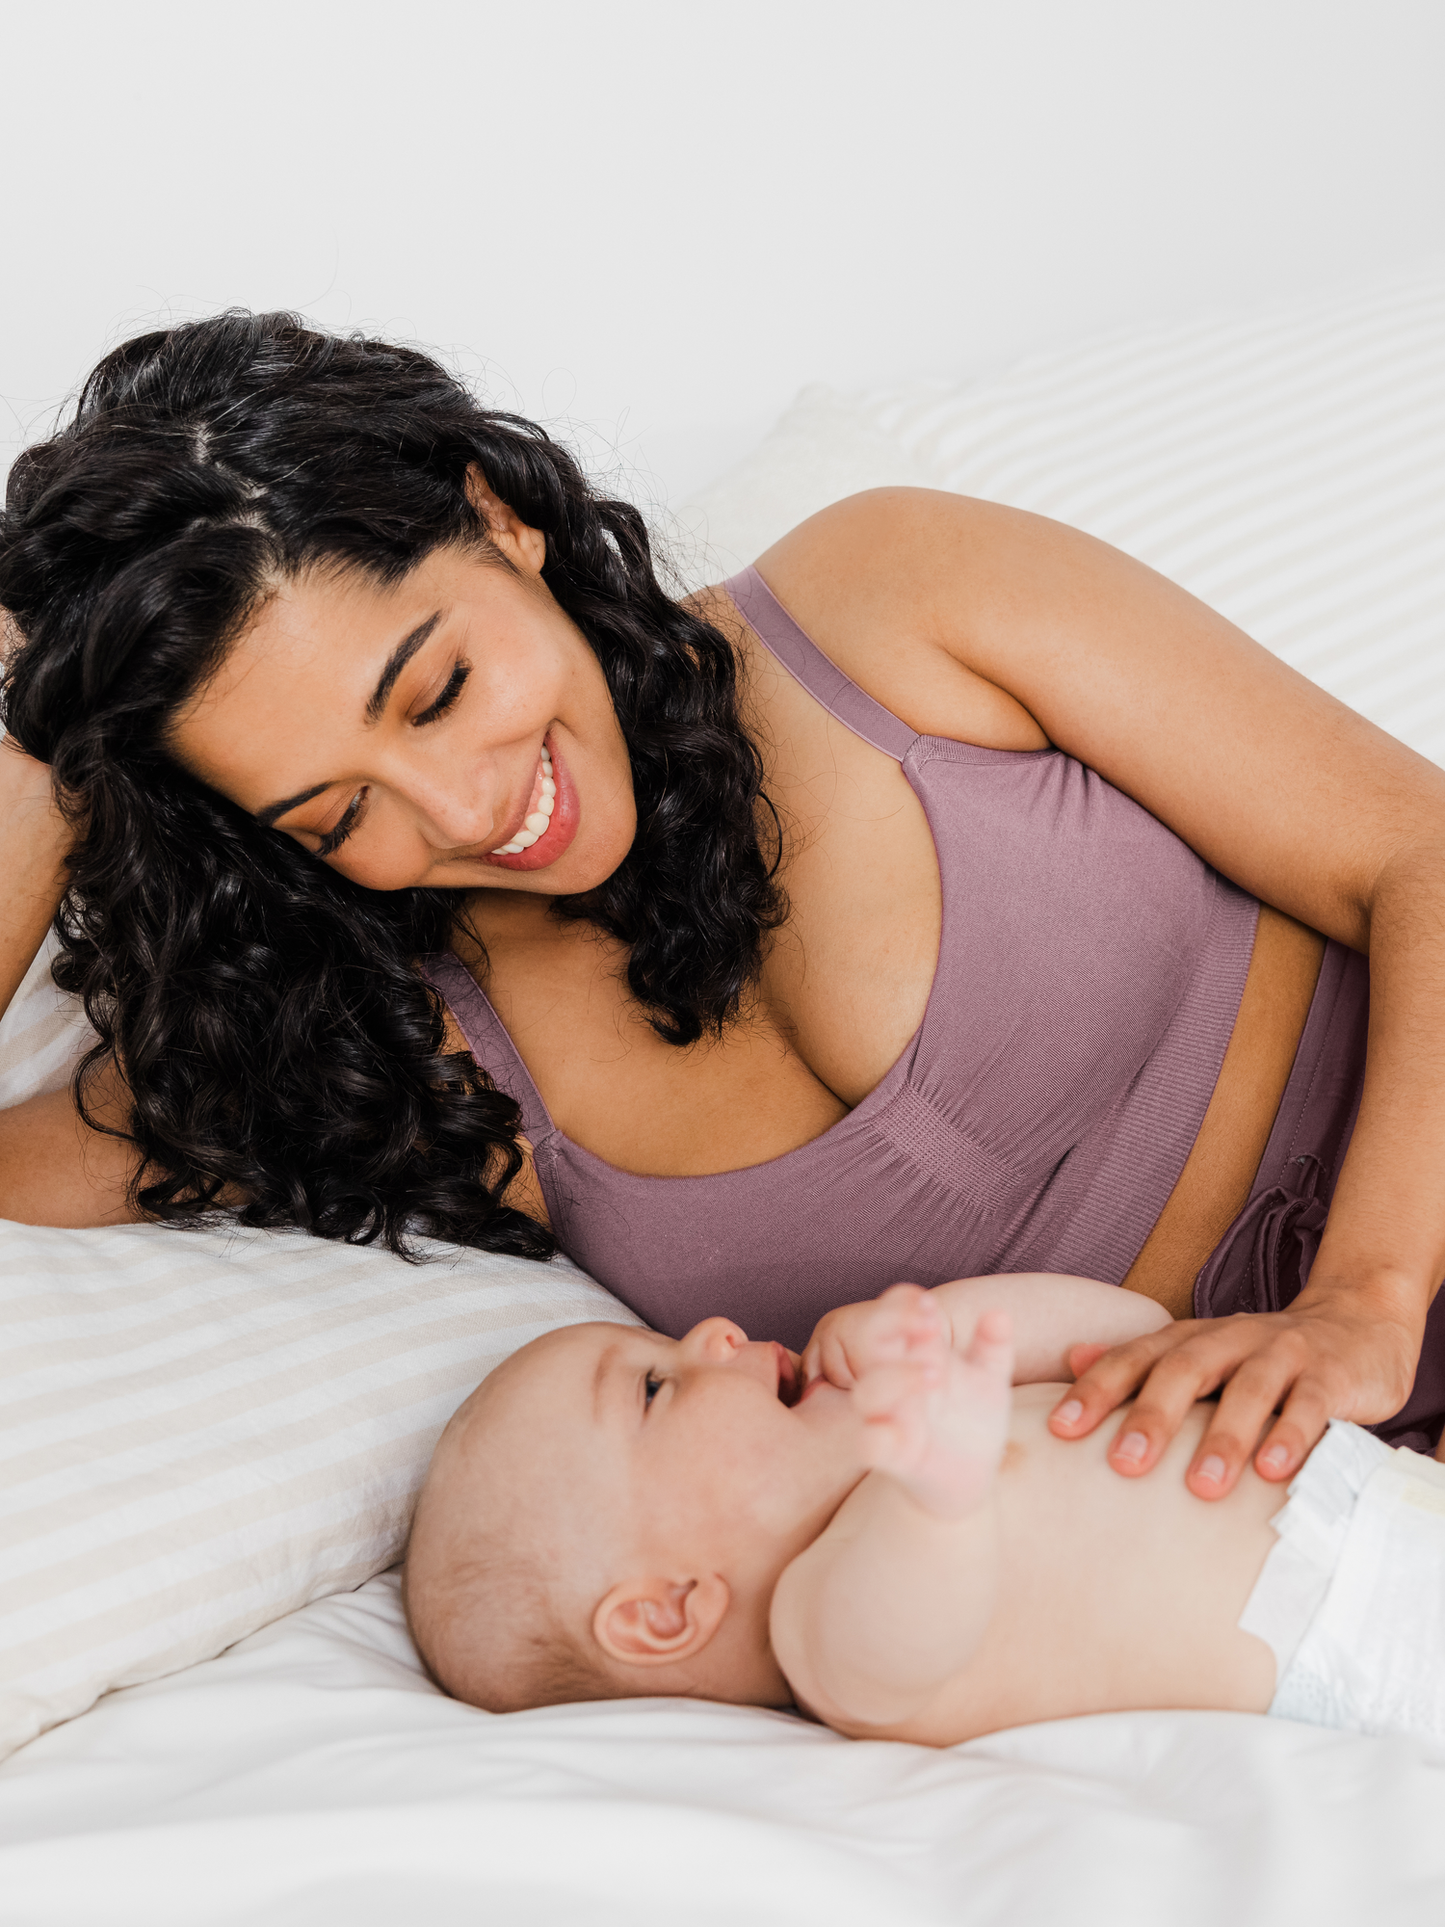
(1287, 467)
(200, 1431)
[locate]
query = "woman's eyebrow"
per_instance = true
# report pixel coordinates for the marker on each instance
(395, 663)
(375, 704)
(272, 811)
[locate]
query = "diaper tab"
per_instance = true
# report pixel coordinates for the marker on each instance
(1310, 1530)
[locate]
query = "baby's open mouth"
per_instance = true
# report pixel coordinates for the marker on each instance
(790, 1388)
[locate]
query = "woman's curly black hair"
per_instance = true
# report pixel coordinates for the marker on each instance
(276, 1041)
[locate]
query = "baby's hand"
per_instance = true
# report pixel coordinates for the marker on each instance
(934, 1421)
(840, 1338)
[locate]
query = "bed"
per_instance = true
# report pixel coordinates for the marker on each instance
(259, 1744)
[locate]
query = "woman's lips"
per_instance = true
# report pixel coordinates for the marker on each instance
(561, 827)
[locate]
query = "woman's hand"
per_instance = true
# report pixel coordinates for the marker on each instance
(1335, 1354)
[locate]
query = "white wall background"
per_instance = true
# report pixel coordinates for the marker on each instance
(658, 218)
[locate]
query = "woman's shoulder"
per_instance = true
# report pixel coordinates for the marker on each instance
(880, 583)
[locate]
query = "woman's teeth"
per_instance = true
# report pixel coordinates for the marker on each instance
(544, 801)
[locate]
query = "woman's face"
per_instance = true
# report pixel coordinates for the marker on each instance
(404, 734)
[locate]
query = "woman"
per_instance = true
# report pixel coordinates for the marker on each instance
(865, 916)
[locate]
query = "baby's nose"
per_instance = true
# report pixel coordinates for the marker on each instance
(716, 1339)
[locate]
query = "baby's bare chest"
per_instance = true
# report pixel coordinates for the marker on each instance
(1114, 1594)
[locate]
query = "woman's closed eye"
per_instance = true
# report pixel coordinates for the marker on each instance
(456, 682)
(351, 816)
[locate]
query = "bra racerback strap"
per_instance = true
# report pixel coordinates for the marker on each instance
(822, 679)
(487, 1039)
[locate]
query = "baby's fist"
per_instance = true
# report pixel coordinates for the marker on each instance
(846, 1340)
(934, 1421)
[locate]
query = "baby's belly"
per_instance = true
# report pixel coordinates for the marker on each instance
(1114, 1593)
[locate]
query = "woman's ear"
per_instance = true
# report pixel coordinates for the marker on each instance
(652, 1622)
(525, 547)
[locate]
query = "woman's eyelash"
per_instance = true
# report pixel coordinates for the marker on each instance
(334, 838)
(447, 698)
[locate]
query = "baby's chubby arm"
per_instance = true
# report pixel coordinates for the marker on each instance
(1051, 1316)
(887, 1604)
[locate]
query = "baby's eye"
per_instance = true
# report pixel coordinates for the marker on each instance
(651, 1386)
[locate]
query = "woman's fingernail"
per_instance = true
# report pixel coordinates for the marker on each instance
(1276, 1458)
(1070, 1412)
(1211, 1470)
(1132, 1446)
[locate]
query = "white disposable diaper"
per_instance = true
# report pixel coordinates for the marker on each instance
(1352, 1597)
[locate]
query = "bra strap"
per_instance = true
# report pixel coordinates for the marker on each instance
(823, 679)
(487, 1039)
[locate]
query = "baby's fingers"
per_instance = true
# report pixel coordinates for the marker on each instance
(826, 1356)
(887, 1388)
(890, 1400)
(904, 1323)
(991, 1349)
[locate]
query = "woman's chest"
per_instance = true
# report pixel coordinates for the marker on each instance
(844, 986)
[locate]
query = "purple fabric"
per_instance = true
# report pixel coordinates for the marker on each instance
(1089, 973)
(1264, 1259)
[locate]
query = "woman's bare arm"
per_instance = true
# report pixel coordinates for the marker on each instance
(991, 613)
(33, 842)
(53, 1168)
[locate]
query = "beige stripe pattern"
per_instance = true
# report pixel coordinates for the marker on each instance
(1286, 467)
(202, 1431)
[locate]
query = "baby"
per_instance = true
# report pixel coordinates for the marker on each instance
(899, 1546)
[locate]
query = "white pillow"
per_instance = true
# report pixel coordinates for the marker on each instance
(1288, 467)
(201, 1431)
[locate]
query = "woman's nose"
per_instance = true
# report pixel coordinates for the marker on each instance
(715, 1340)
(457, 807)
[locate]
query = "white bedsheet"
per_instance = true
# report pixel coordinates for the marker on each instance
(312, 1775)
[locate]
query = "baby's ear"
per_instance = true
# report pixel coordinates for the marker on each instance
(656, 1621)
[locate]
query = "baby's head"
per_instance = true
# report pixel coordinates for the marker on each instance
(609, 1512)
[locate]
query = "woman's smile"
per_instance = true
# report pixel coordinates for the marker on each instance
(548, 820)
